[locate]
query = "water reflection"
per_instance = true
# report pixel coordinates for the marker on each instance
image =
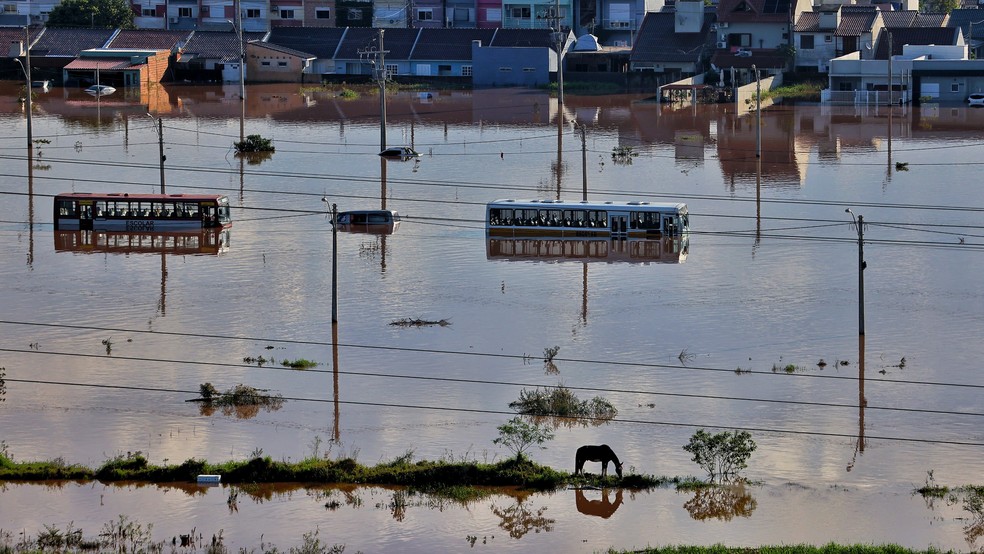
(520, 518)
(672, 250)
(603, 507)
(722, 502)
(199, 242)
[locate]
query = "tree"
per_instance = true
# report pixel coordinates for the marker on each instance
(939, 6)
(519, 436)
(99, 14)
(722, 455)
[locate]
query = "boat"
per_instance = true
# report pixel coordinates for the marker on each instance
(377, 222)
(100, 90)
(402, 153)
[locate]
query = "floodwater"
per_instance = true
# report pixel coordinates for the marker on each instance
(105, 341)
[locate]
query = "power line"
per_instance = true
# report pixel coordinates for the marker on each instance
(648, 365)
(503, 412)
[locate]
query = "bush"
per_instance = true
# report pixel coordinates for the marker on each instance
(519, 436)
(721, 455)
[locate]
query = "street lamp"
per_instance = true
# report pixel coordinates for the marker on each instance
(26, 68)
(859, 223)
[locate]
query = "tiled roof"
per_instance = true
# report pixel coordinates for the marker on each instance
(15, 34)
(900, 19)
(914, 35)
(963, 18)
(809, 22)
(322, 42)
(449, 44)
(541, 38)
(148, 39)
(216, 45)
(930, 20)
(856, 20)
(100, 63)
(657, 40)
(70, 42)
(396, 42)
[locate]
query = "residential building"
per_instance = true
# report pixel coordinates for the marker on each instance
(674, 42)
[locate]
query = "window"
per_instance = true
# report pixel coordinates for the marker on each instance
(521, 13)
(286, 14)
(322, 13)
(184, 12)
(529, 69)
(354, 14)
(425, 15)
(493, 14)
(265, 63)
(392, 69)
(828, 38)
(148, 12)
(281, 64)
(253, 13)
(505, 69)
(462, 15)
(466, 71)
(954, 87)
(9, 8)
(205, 11)
(806, 42)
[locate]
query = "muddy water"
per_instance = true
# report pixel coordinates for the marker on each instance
(102, 347)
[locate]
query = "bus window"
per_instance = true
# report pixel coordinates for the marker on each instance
(67, 208)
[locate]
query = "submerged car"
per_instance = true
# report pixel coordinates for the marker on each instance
(976, 99)
(399, 153)
(100, 90)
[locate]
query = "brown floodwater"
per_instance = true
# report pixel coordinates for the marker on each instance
(752, 324)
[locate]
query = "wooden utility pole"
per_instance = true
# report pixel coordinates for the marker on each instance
(859, 223)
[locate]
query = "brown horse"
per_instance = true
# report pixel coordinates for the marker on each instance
(596, 453)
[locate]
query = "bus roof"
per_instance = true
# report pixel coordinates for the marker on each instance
(588, 204)
(129, 196)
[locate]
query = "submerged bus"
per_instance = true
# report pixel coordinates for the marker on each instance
(615, 220)
(140, 212)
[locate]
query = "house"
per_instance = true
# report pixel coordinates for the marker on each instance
(213, 56)
(447, 52)
(675, 43)
(118, 67)
(833, 31)
(359, 47)
(267, 62)
(516, 58)
(320, 42)
(55, 48)
(616, 22)
(971, 24)
(755, 32)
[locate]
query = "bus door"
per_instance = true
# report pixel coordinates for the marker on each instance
(210, 215)
(85, 215)
(618, 225)
(670, 226)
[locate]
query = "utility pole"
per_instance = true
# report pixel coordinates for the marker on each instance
(377, 57)
(758, 115)
(334, 263)
(584, 161)
(859, 223)
(556, 20)
(160, 140)
(242, 72)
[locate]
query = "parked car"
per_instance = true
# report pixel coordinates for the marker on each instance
(976, 99)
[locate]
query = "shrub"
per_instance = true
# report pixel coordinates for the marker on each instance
(721, 455)
(518, 435)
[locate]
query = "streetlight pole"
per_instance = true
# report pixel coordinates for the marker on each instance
(26, 67)
(758, 112)
(859, 223)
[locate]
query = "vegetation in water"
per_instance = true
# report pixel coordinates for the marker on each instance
(300, 363)
(622, 155)
(242, 401)
(721, 455)
(253, 144)
(809, 91)
(560, 401)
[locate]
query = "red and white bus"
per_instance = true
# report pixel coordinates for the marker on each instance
(140, 212)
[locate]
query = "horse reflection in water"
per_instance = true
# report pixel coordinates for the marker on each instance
(601, 508)
(596, 453)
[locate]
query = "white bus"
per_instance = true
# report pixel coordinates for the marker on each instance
(584, 219)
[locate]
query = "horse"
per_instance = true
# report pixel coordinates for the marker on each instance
(596, 453)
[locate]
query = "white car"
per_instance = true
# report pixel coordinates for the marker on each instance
(976, 99)
(100, 90)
